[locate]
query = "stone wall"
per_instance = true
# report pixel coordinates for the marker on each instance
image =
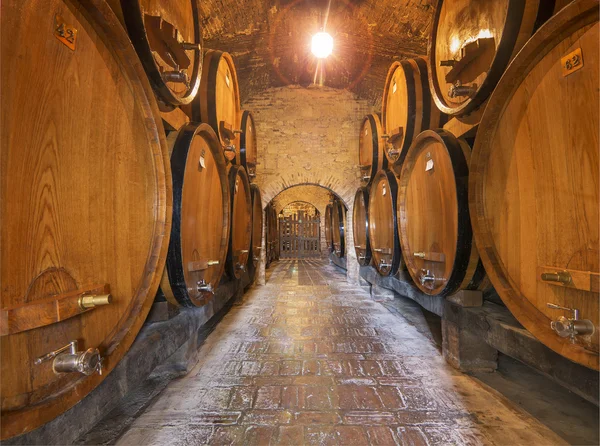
(307, 209)
(309, 136)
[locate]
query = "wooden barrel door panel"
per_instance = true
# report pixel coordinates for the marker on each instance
(472, 43)
(241, 224)
(371, 148)
(85, 204)
(248, 153)
(383, 223)
(338, 228)
(360, 222)
(534, 198)
(200, 230)
(407, 108)
(218, 102)
(257, 225)
(433, 215)
(167, 37)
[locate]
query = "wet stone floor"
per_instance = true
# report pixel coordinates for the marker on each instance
(310, 359)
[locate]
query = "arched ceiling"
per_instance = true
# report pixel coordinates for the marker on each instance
(270, 40)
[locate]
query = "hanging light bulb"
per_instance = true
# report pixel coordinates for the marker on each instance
(322, 45)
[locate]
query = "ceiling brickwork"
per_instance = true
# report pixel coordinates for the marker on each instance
(270, 40)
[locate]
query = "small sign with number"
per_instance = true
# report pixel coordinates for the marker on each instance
(572, 62)
(65, 33)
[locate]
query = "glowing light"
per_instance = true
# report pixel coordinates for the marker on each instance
(456, 44)
(322, 45)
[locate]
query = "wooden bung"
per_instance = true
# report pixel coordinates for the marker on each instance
(433, 216)
(200, 231)
(360, 224)
(533, 188)
(85, 203)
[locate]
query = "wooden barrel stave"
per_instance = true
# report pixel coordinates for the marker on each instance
(360, 224)
(200, 231)
(383, 223)
(85, 203)
(329, 227)
(241, 224)
(433, 214)
(479, 38)
(371, 154)
(158, 30)
(534, 202)
(407, 108)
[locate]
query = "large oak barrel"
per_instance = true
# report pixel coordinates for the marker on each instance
(360, 226)
(472, 43)
(338, 228)
(433, 215)
(241, 221)
(218, 101)
(200, 230)
(407, 108)
(329, 227)
(167, 37)
(85, 204)
(534, 196)
(257, 226)
(248, 153)
(371, 145)
(270, 230)
(383, 223)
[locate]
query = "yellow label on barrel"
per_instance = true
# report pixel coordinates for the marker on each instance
(65, 33)
(572, 62)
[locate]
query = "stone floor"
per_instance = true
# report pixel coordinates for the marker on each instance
(309, 359)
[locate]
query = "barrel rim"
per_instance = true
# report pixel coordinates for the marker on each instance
(464, 239)
(106, 24)
(134, 21)
(234, 172)
(341, 212)
(575, 15)
(502, 57)
(390, 178)
(376, 144)
(179, 158)
(362, 193)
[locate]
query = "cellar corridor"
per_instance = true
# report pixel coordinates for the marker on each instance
(310, 359)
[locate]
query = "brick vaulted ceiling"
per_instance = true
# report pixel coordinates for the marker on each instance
(270, 40)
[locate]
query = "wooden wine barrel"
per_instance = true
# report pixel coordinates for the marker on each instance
(534, 197)
(433, 215)
(360, 225)
(167, 37)
(407, 108)
(270, 233)
(329, 227)
(472, 43)
(200, 230)
(248, 153)
(257, 226)
(383, 223)
(371, 145)
(85, 204)
(241, 221)
(218, 101)
(338, 228)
